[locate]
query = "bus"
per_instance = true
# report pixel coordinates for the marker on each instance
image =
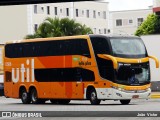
(82, 67)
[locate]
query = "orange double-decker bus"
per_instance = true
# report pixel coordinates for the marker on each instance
(92, 67)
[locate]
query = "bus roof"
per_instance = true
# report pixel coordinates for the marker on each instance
(114, 35)
(68, 37)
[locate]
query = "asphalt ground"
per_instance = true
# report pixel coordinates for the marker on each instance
(83, 110)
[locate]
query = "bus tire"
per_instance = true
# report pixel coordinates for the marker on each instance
(93, 97)
(25, 97)
(125, 102)
(34, 97)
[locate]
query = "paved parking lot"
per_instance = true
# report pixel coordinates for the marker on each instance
(141, 105)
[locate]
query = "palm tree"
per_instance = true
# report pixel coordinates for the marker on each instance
(60, 27)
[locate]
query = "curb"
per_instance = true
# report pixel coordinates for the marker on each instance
(155, 96)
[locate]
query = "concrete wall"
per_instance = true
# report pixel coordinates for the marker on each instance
(152, 43)
(97, 24)
(13, 22)
(156, 3)
(125, 16)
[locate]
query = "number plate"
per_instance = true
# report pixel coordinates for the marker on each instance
(135, 96)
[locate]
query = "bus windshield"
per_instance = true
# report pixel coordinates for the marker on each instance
(128, 47)
(133, 74)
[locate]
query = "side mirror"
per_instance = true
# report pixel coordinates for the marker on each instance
(156, 61)
(109, 57)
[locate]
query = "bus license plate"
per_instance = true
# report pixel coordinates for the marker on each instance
(135, 96)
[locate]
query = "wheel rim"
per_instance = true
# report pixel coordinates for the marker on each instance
(93, 96)
(24, 96)
(34, 96)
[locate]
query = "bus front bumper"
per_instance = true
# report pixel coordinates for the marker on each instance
(115, 94)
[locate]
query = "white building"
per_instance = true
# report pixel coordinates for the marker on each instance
(127, 21)
(156, 6)
(18, 21)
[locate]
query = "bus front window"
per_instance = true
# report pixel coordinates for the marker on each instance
(133, 74)
(128, 47)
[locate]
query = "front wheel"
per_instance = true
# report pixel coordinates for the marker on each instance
(125, 102)
(93, 97)
(25, 97)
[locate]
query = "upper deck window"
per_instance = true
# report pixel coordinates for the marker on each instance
(48, 48)
(128, 47)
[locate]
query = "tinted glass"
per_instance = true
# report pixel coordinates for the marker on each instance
(48, 48)
(128, 47)
(105, 67)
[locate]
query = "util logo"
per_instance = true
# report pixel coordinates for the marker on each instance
(17, 72)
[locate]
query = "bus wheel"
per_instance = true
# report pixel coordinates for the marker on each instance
(25, 97)
(34, 97)
(93, 97)
(125, 102)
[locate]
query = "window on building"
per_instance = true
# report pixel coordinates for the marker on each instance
(76, 12)
(130, 21)
(42, 9)
(104, 14)
(35, 9)
(99, 13)
(67, 11)
(105, 31)
(60, 10)
(109, 30)
(48, 10)
(87, 13)
(99, 31)
(82, 12)
(55, 10)
(94, 30)
(94, 14)
(35, 27)
(119, 22)
(140, 20)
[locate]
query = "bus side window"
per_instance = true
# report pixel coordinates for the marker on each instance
(84, 48)
(8, 76)
(105, 67)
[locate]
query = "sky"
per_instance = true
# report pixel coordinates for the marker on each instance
(116, 5)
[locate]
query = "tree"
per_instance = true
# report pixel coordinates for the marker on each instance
(150, 26)
(59, 27)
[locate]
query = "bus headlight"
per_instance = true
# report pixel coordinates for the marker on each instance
(118, 88)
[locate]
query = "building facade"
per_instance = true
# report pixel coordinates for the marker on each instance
(127, 22)
(18, 21)
(156, 6)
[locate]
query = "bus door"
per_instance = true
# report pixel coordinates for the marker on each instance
(8, 84)
(73, 86)
(84, 73)
(79, 85)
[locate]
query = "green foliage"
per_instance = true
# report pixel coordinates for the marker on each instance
(150, 26)
(59, 27)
